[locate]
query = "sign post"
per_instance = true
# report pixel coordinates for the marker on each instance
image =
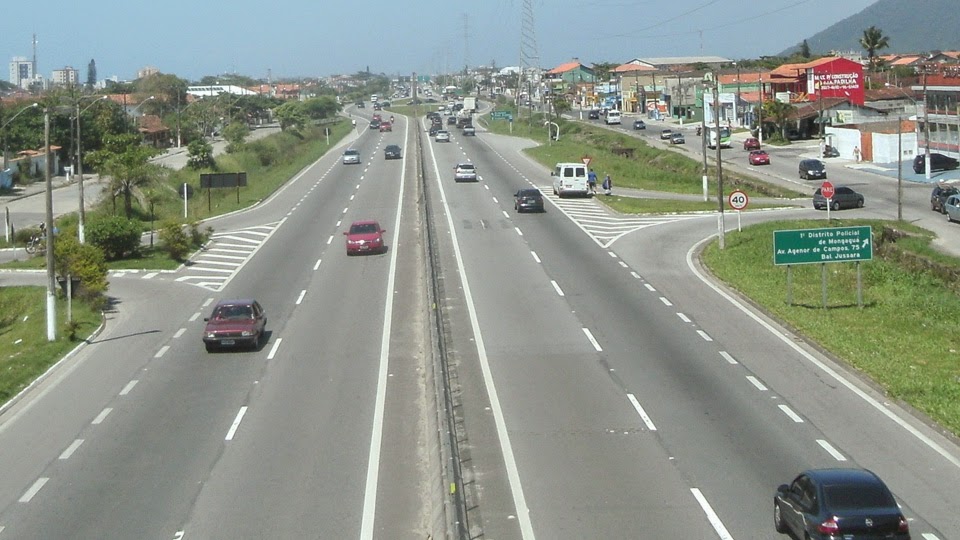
(822, 246)
(738, 201)
(826, 189)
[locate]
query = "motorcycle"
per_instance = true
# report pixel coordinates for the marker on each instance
(699, 130)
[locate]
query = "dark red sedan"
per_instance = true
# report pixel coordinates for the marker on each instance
(759, 157)
(365, 237)
(751, 143)
(235, 323)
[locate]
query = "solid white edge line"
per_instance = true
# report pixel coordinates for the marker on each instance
(300, 298)
(34, 489)
(643, 414)
(101, 417)
(756, 382)
(126, 389)
(556, 287)
(236, 424)
(273, 350)
(506, 447)
(376, 437)
(71, 449)
(930, 443)
(593, 340)
(728, 357)
(789, 412)
(831, 450)
(712, 516)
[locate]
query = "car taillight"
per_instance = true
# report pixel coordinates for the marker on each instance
(903, 526)
(829, 526)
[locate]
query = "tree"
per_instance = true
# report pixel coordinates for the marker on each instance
(777, 112)
(805, 49)
(320, 107)
(601, 70)
(129, 168)
(91, 74)
(872, 41)
(560, 106)
(291, 116)
(200, 154)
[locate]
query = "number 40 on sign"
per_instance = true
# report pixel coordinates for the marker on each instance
(738, 201)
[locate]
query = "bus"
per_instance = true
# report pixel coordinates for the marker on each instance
(711, 135)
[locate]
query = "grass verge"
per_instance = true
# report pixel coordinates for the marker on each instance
(25, 353)
(634, 205)
(904, 338)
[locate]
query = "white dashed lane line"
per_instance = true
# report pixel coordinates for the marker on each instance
(683, 317)
(34, 489)
(102, 416)
(163, 350)
(635, 275)
(665, 301)
(789, 412)
(535, 256)
(649, 287)
(126, 389)
(593, 340)
(330, 240)
(316, 266)
(71, 449)
(831, 450)
(556, 287)
(756, 382)
(300, 298)
(273, 350)
(712, 516)
(236, 424)
(704, 335)
(519, 232)
(643, 414)
(194, 317)
(730, 359)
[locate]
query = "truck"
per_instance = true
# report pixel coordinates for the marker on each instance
(470, 104)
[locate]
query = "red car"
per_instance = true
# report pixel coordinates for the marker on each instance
(386, 126)
(759, 157)
(751, 143)
(235, 323)
(377, 117)
(365, 237)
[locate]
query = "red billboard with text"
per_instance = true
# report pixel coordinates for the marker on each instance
(836, 78)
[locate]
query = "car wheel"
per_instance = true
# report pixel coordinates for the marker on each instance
(859, 203)
(802, 176)
(210, 347)
(835, 206)
(778, 523)
(949, 219)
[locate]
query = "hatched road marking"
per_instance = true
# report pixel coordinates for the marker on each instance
(214, 266)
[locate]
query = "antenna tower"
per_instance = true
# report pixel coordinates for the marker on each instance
(466, 43)
(529, 57)
(34, 55)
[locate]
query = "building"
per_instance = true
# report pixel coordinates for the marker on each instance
(217, 89)
(827, 77)
(21, 72)
(939, 118)
(66, 76)
(147, 71)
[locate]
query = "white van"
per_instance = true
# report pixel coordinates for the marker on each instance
(570, 179)
(613, 117)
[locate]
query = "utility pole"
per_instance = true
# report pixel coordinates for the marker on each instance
(716, 121)
(926, 125)
(899, 168)
(760, 111)
(51, 276)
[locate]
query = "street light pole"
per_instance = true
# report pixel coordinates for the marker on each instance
(716, 121)
(899, 168)
(736, 107)
(51, 277)
(81, 237)
(4, 128)
(926, 126)
(760, 112)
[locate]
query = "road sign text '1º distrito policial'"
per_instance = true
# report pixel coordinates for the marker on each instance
(826, 245)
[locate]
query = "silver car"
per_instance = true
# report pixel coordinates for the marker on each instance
(951, 207)
(443, 136)
(351, 156)
(465, 172)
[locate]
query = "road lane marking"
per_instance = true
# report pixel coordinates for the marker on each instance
(612, 254)
(236, 423)
(593, 341)
(704, 335)
(712, 516)
(179, 333)
(556, 287)
(163, 350)
(636, 275)
(151, 275)
(273, 350)
(102, 416)
(208, 302)
(649, 287)
(518, 231)
(789, 412)
(535, 256)
(25, 498)
(730, 359)
(351, 198)
(683, 317)
(195, 316)
(345, 210)
(497, 202)
(71, 449)
(625, 265)
(665, 301)
(505, 214)
(330, 240)
(643, 414)
(926, 536)
(756, 382)
(300, 298)
(316, 266)
(831, 450)
(126, 389)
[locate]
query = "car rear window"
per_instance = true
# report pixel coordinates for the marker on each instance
(363, 228)
(465, 166)
(529, 192)
(849, 497)
(233, 312)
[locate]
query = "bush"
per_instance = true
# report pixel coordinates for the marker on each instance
(85, 262)
(200, 154)
(117, 236)
(198, 238)
(174, 240)
(266, 154)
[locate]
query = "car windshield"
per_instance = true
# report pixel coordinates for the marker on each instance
(351, 153)
(528, 193)
(465, 166)
(851, 497)
(233, 312)
(363, 228)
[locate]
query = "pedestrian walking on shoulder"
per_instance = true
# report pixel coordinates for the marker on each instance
(856, 153)
(592, 181)
(607, 185)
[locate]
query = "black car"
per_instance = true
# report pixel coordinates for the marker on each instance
(360, 105)
(827, 504)
(594, 114)
(374, 124)
(939, 195)
(392, 151)
(843, 197)
(938, 162)
(528, 199)
(451, 120)
(812, 168)
(434, 129)
(638, 124)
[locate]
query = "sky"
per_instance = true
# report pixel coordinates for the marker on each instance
(317, 38)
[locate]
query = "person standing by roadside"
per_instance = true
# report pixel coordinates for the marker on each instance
(592, 181)
(607, 185)
(856, 153)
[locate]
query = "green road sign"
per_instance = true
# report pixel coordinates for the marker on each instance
(502, 115)
(828, 245)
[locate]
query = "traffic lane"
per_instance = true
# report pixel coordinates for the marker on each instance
(317, 396)
(850, 414)
(28, 212)
(561, 407)
(124, 393)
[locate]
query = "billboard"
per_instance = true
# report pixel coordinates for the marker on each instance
(837, 78)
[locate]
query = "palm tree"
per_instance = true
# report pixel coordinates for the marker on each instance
(872, 41)
(778, 112)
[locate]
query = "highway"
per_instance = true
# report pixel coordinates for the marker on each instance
(605, 386)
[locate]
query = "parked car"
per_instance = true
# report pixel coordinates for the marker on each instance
(443, 136)
(235, 323)
(939, 196)
(465, 172)
(759, 157)
(528, 199)
(677, 138)
(812, 168)
(938, 162)
(843, 197)
(392, 151)
(594, 114)
(951, 207)
(828, 504)
(638, 124)
(666, 134)
(351, 157)
(365, 237)
(751, 143)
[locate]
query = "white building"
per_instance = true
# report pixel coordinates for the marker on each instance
(21, 72)
(66, 76)
(217, 89)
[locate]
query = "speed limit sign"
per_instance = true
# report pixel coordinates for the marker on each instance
(738, 200)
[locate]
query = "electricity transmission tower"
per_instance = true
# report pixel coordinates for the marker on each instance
(529, 57)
